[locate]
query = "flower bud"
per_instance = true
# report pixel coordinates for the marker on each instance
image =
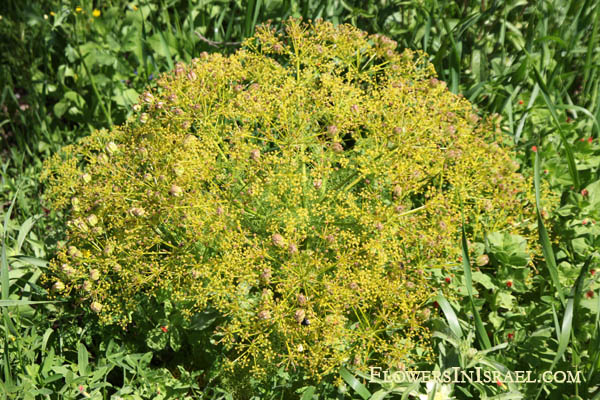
(86, 178)
(92, 220)
(299, 315)
(108, 249)
(87, 286)
(301, 299)
(96, 307)
(137, 211)
(178, 170)
(337, 147)
(293, 249)
(74, 251)
(147, 97)
(67, 269)
(111, 148)
(277, 240)
(94, 274)
(265, 276)
(175, 191)
(264, 314)
(482, 260)
(58, 286)
(255, 155)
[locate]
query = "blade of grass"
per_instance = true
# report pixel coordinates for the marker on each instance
(450, 315)
(482, 336)
(355, 384)
(5, 293)
(532, 98)
(568, 151)
(543, 234)
(567, 323)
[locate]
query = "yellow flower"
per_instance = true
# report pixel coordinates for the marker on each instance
(52, 13)
(96, 13)
(78, 9)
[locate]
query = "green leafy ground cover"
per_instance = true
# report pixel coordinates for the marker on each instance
(69, 68)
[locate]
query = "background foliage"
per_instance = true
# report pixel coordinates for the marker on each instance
(68, 69)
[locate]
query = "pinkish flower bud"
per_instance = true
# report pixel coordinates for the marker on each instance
(293, 249)
(147, 97)
(255, 154)
(175, 191)
(301, 299)
(277, 240)
(137, 211)
(317, 183)
(67, 269)
(265, 276)
(482, 260)
(337, 147)
(264, 314)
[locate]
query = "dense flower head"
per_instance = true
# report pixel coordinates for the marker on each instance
(300, 187)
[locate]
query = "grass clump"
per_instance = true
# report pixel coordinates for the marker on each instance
(303, 189)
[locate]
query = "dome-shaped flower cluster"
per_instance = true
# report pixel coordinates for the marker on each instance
(303, 187)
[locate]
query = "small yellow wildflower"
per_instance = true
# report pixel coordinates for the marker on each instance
(52, 13)
(96, 13)
(78, 9)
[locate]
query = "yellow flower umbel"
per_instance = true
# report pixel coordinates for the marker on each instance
(304, 187)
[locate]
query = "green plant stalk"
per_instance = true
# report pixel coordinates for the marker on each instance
(95, 89)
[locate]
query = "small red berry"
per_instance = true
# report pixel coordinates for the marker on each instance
(164, 328)
(499, 383)
(510, 336)
(436, 305)
(521, 102)
(568, 119)
(582, 140)
(590, 139)
(590, 294)
(592, 272)
(534, 149)
(447, 279)
(509, 284)
(584, 192)
(584, 222)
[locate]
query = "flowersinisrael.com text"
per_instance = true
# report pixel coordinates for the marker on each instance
(475, 375)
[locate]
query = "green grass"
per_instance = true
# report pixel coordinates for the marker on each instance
(535, 64)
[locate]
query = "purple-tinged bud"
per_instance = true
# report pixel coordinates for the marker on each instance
(277, 240)
(175, 191)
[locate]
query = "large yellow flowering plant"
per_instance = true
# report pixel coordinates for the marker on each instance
(303, 188)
